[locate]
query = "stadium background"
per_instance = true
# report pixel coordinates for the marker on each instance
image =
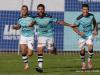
(65, 38)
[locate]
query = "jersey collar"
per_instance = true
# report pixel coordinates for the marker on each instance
(44, 15)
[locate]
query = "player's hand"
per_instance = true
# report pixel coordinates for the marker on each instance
(16, 27)
(72, 25)
(81, 33)
(95, 33)
(32, 24)
(60, 22)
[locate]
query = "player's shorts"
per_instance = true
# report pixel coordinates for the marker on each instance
(85, 41)
(27, 40)
(46, 41)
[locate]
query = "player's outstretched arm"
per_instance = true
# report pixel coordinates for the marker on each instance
(66, 24)
(61, 22)
(75, 29)
(32, 23)
(16, 27)
(95, 27)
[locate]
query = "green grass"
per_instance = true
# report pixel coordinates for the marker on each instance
(53, 65)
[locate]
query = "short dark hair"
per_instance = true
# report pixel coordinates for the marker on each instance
(25, 6)
(41, 5)
(85, 5)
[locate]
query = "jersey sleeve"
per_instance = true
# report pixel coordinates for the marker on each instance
(53, 19)
(77, 22)
(94, 18)
(18, 21)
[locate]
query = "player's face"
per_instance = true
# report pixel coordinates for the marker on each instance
(40, 11)
(24, 11)
(85, 11)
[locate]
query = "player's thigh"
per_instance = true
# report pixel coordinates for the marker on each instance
(81, 43)
(89, 42)
(40, 50)
(41, 44)
(23, 48)
(30, 44)
(50, 43)
(23, 44)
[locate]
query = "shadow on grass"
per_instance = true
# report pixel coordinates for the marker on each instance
(63, 69)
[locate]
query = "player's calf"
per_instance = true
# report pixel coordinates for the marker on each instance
(82, 55)
(25, 60)
(24, 51)
(89, 43)
(40, 60)
(40, 63)
(90, 54)
(51, 48)
(30, 53)
(90, 51)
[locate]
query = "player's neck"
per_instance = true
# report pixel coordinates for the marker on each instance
(86, 15)
(41, 16)
(24, 16)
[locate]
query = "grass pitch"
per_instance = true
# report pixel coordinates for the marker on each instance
(53, 65)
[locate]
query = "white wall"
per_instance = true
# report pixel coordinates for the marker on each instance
(10, 4)
(51, 5)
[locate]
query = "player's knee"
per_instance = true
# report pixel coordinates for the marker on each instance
(90, 52)
(40, 50)
(82, 52)
(30, 54)
(50, 46)
(90, 48)
(24, 54)
(23, 51)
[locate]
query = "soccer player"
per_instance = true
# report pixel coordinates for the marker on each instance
(45, 33)
(25, 24)
(85, 26)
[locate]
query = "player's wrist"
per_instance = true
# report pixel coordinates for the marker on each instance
(13, 27)
(81, 33)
